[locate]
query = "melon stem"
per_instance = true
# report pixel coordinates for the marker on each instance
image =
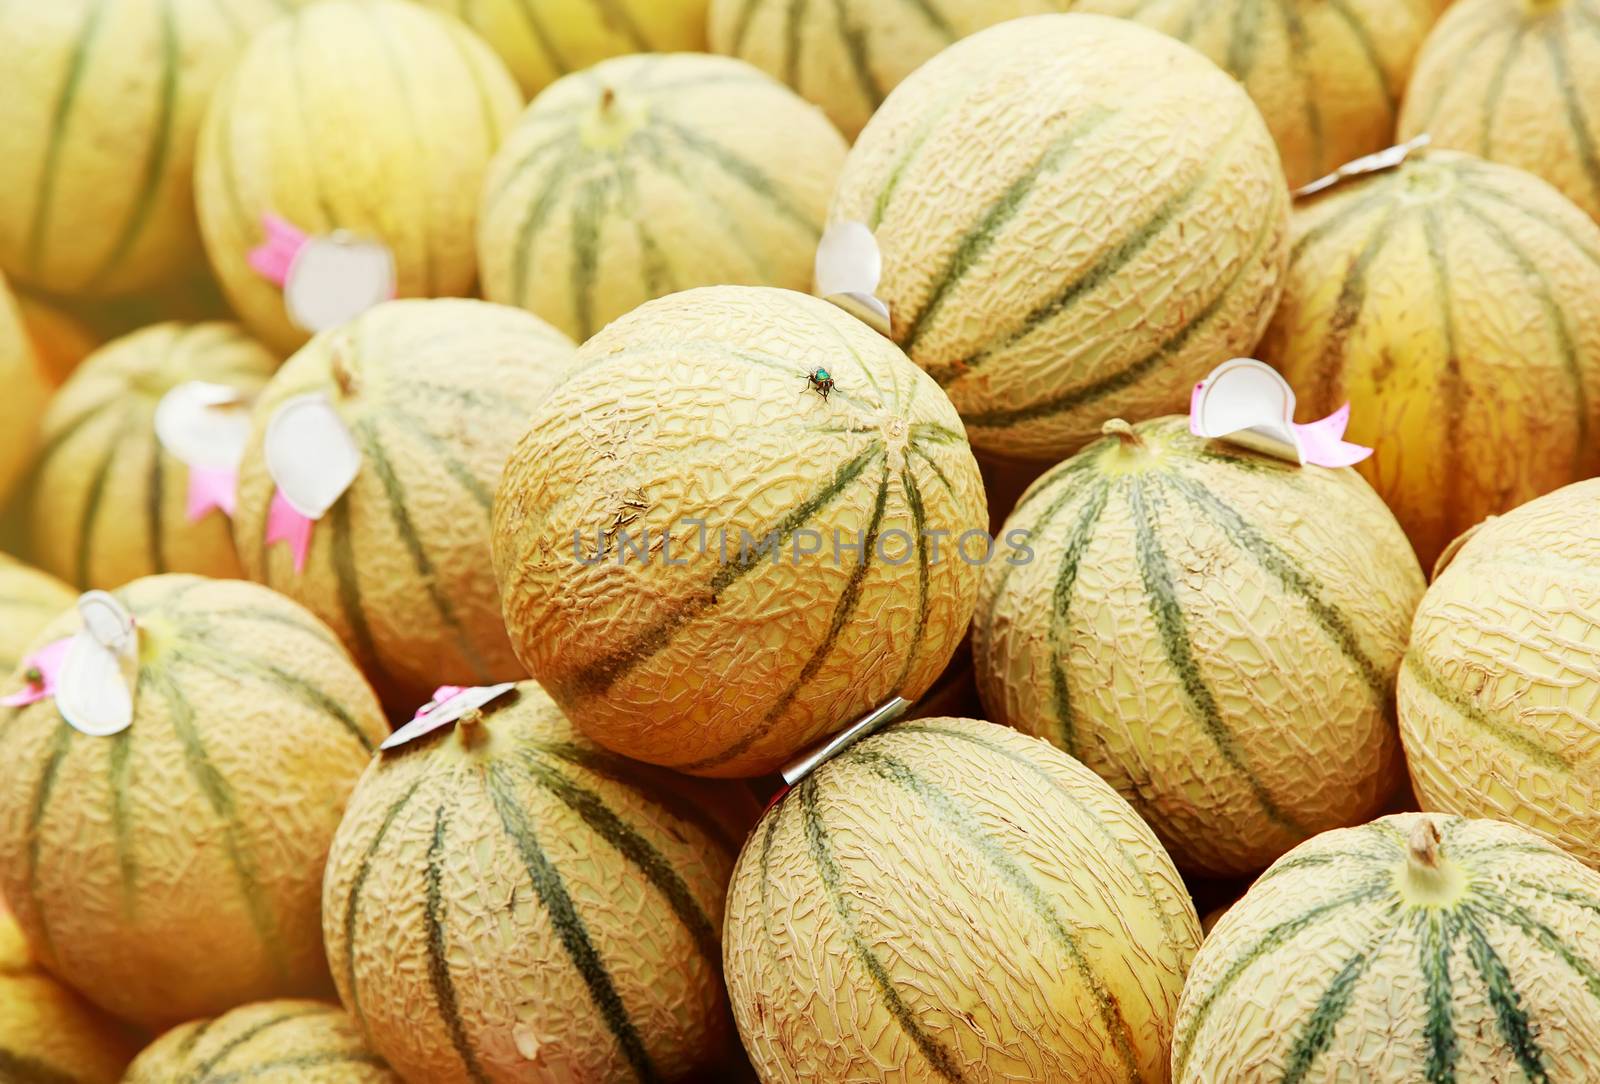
(1124, 432)
(340, 368)
(1427, 878)
(608, 98)
(1424, 844)
(470, 729)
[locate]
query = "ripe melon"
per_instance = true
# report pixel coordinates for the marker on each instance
(1497, 699)
(1079, 218)
(951, 900)
(1415, 948)
(295, 1042)
(435, 394)
(1456, 305)
(27, 390)
(29, 600)
(109, 503)
(647, 175)
(372, 116)
(59, 338)
(1214, 632)
(98, 124)
(542, 40)
(803, 583)
(172, 871)
(1516, 81)
(606, 879)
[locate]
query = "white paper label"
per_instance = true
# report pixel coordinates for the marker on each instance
(310, 454)
(94, 692)
(336, 278)
(443, 713)
(1377, 162)
(204, 425)
(1250, 399)
(850, 265)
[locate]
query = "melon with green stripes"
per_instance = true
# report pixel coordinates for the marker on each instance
(1215, 632)
(376, 117)
(711, 557)
(29, 600)
(950, 900)
(108, 502)
(103, 105)
(59, 338)
(1516, 81)
(1420, 947)
(1455, 304)
(27, 390)
(646, 175)
(1066, 237)
(605, 878)
(435, 394)
(270, 1042)
(173, 870)
(1496, 711)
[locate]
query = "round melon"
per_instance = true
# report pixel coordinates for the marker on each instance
(1515, 81)
(712, 556)
(29, 600)
(376, 117)
(172, 871)
(1415, 948)
(283, 1042)
(27, 390)
(951, 900)
(1079, 218)
(1184, 606)
(607, 880)
(647, 175)
(59, 338)
(1455, 305)
(543, 40)
(435, 395)
(109, 503)
(98, 125)
(1497, 705)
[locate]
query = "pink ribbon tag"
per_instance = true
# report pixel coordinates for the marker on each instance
(284, 524)
(1248, 403)
(449, 704)
(275, 255)
(211, 488)
(42, 670)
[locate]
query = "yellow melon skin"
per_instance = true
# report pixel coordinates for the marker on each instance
(1496, 713)
(1079, 218)
(29, 600)
(1455, 304)
(98, 125)
(59, 338)
(173, 871)
(507, 902)
(373, 116)
(1417, 947)
(435, 394)
(952, 900)
(292, 1041)
(695, 418)
(647, 175)
(1518, 82)
(27, 389)
(108, 502)
(543, 40)
(1185, 606)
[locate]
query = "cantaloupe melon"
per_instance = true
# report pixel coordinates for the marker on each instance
(29, 600)
(1498, 708)
(1415, 948)
(951, 900)
(373, 116)
(1214, 632)
(59, 338)
(814, 486)
(109, 503)
(435, 394)
(542, 40)
(1455, 304)
(647, 175)
(1079, 218)
(173, 870)
(98, 122)
(27, 389)
(273, 1042)
(606, 879)
(1516, 81)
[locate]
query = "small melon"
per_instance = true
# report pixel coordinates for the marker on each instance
(295, 1042)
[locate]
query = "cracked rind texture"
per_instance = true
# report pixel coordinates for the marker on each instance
(1079, 218)
(1455, 305)
(29, 600)
(109, 503)
(1499, 706)
(435, 394)
(1341, 966)
(1518, 82)
(373, 116)
(172, 871)
(707, 656)
(27, 391)
(1214, 632)
(953, 900)
(647, 175)
(289, 1041)
(506, 902)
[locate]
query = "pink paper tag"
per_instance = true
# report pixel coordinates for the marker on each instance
(284, 524)
(440, 695)
(275, 255)
(46, 662)
(211, 488)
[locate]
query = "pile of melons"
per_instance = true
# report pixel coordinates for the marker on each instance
(583, 541)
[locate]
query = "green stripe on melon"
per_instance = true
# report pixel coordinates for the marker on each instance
(280, 1040)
